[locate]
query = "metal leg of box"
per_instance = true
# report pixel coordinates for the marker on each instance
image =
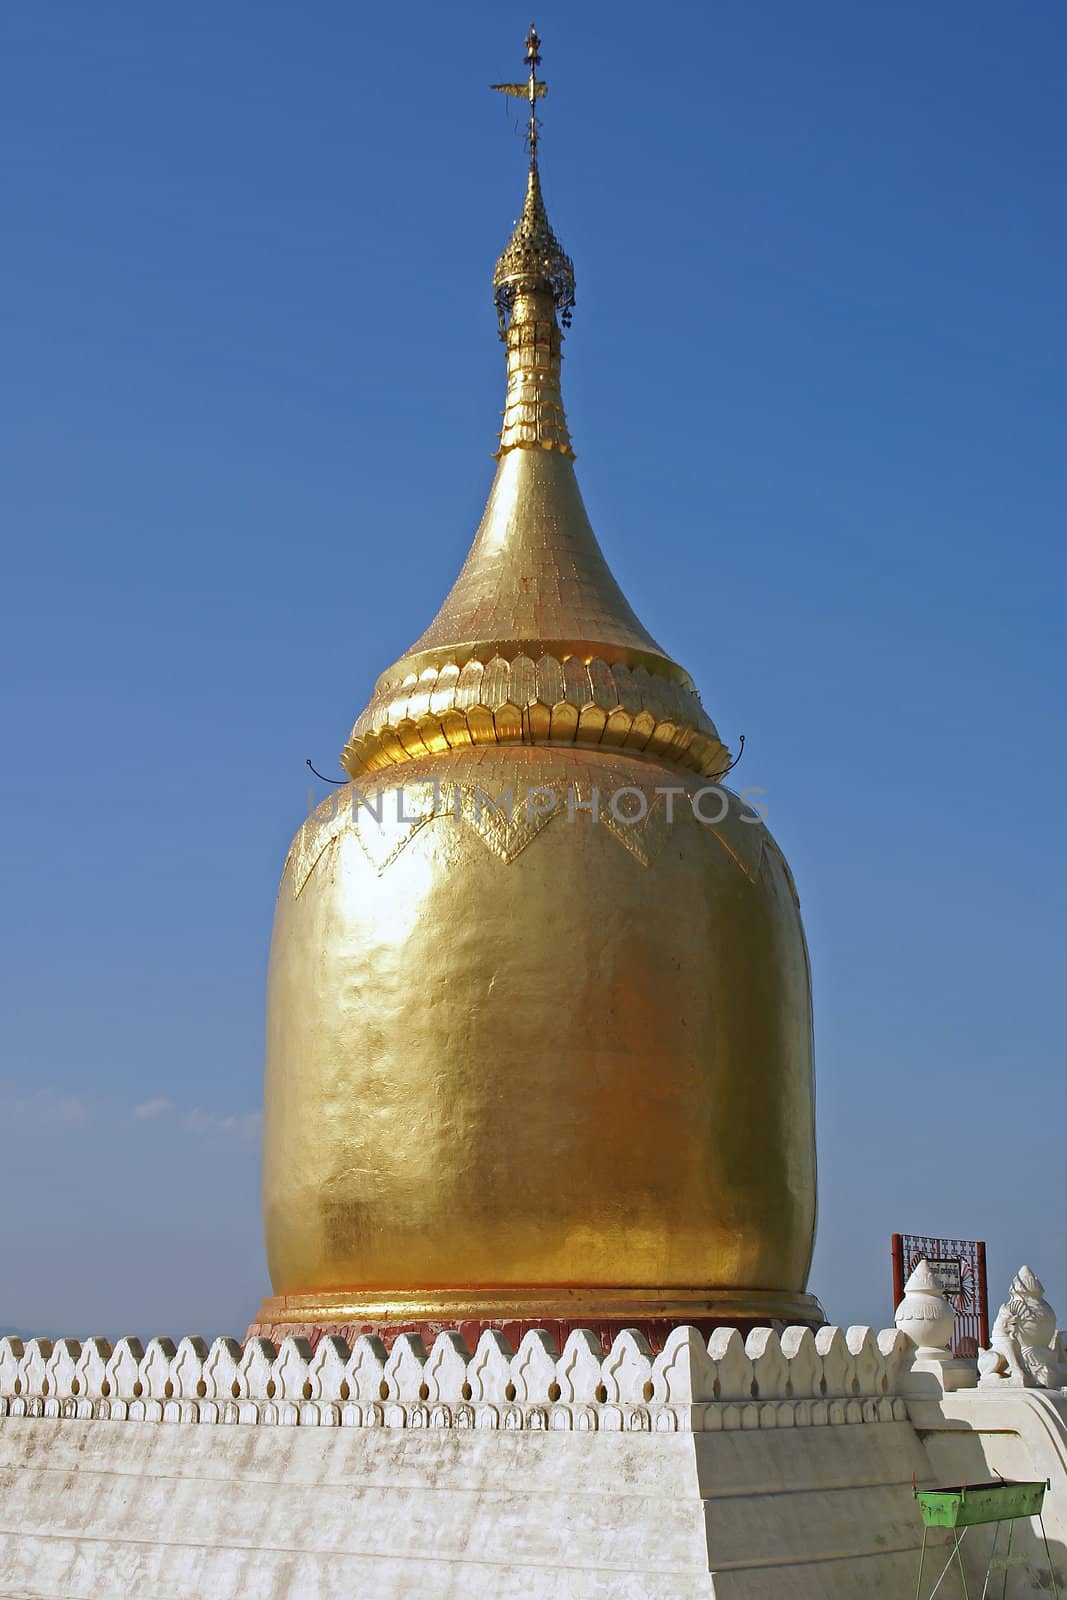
(1048, 1558)
(955, 1555)
(992, 1555)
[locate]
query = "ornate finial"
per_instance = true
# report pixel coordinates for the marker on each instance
(534, 258)
(924, 1314)
(533, 89)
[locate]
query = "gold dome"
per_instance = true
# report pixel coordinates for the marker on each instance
(534, 1052)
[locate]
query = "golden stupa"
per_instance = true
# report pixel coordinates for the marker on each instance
(539, 1043)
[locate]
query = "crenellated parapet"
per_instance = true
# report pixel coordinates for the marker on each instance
(801, 1379)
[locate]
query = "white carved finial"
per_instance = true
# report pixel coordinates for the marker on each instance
(155, 1369)
(33, 1368)
(734, 1375)
(683, 1373)
(366, 1370)
(446, 1370)
(255, 1375)
(805, 1363)
(326, 1371)
(533, 1368)
(924, 1314)
(838, 1362)
(292, 1370)
(896, 1350)
(579, 1367)
(404, 1372)
(187, 1369)
(489, 1372)
(926, 1319)
(222, 1370)
(63, 1369)
(11, 1354)
(770, 1370)
(627, 1369)
(123, 1375)
(868, 1365)
(92, 1369)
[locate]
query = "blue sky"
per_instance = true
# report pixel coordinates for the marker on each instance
(816, 385)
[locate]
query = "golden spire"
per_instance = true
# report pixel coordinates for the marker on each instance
(535, 643)
(534, 279)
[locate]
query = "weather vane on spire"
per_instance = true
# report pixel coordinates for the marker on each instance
(533, 89)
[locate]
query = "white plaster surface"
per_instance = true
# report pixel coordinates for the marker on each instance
(138, 1509)
(743, 1469)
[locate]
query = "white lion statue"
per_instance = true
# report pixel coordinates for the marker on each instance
(1025, 1349)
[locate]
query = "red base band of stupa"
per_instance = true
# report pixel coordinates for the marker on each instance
(512, 1313)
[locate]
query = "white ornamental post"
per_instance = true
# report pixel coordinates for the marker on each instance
(927, 1319)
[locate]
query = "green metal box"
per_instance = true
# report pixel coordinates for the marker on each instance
(972, 1503)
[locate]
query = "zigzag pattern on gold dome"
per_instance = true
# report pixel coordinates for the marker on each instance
(385, 823)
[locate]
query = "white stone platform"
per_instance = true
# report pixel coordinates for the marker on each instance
(747, 1469)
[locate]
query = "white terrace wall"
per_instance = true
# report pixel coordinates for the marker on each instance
(737, 1468)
